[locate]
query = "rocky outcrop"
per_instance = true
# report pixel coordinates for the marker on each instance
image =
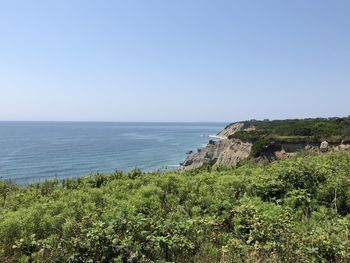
(230, 129)
(342, 147)
(324, 146)
(226, 153)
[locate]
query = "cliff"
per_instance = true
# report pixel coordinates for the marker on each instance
(230, 129)
(271, 140)
(225, 152)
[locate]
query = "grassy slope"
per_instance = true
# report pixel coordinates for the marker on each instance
(335, 130)
(295, 210)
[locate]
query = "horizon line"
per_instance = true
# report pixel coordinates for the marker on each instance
(95, 121)
(209, 121)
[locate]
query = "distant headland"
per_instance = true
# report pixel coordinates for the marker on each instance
(267, 140)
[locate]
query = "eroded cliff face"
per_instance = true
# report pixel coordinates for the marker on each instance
(233, 128)
(283, 150)
(229, 152)
(224, 152)
(230, 129)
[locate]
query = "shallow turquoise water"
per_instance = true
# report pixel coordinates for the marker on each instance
(33, 151)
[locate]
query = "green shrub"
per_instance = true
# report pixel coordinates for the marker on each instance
(259, 147)
(296, 210)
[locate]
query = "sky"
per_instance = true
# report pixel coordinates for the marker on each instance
(167, 60)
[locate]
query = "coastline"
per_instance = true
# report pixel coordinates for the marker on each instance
(215, 136)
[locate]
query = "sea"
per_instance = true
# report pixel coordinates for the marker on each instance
(35, 151)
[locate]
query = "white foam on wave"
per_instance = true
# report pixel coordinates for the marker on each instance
(215, 136)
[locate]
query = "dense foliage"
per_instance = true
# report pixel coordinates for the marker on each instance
(295, 210)
(299, 130)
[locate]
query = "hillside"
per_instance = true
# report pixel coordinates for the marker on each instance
(296, 210)
(272, 140)
(299, 130)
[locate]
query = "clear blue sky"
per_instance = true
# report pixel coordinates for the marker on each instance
(174, 60)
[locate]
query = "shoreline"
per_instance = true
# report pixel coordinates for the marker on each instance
(215, 136)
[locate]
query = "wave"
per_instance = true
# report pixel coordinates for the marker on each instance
(215, 136)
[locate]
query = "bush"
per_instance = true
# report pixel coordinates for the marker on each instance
(259, 147)
(296, 210)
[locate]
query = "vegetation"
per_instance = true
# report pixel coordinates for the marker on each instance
(304, 130)
(297, 210)
(266, 134)
(259, 146)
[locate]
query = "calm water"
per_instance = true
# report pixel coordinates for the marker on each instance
(34, 151)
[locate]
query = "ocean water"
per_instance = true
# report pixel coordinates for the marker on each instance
(35, 151)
